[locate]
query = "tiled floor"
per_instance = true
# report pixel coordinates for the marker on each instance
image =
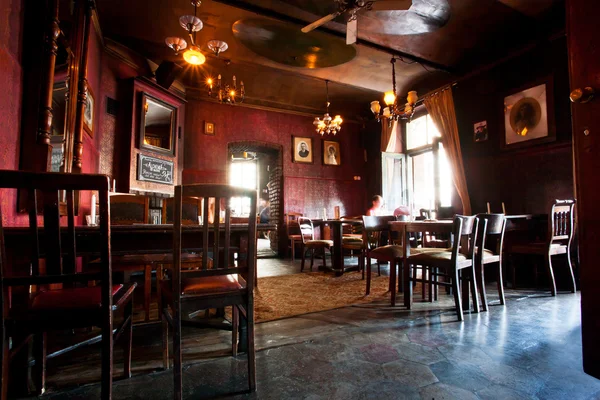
(530, 349)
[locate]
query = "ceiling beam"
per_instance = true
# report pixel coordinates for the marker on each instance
(245, 5)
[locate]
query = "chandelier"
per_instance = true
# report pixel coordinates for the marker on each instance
(393, 112)
(328, 125)
(192, 24)
(225, 93)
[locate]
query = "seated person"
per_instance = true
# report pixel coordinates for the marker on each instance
(376, 203)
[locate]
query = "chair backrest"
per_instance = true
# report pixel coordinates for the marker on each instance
(245, 266)
(53, 247)
(128, 209)
(561, 221)
(373, 227)
(425, 213)
(291, 222)
(465, 233)
(351, 228)
(191, 210)
(307, 230)
(491, 226)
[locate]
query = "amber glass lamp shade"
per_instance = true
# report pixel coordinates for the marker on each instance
(194, 56)
(375, 107)
(389, 98)
(412, 97)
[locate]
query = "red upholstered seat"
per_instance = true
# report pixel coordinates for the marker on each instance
(76, 298)
(206, 285)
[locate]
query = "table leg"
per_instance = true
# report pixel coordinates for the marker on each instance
(408, 287)
(338, 254)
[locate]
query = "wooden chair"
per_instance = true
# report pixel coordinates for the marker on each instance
(191, 210)
(491, 229)
(130, 209)
(376, 231)
(352, 239)
(452, 262)
(309, 243)
(559, 238)
(53, 261)
(293, 231)
(226, 284)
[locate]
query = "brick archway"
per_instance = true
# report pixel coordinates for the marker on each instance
(275, 182)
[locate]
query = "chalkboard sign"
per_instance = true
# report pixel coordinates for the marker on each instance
(155, 170)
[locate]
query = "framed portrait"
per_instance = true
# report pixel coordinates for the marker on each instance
(209, 128)
(331, 153)
(302, 148)
(480, 131)
(89, 113)
(528, 116)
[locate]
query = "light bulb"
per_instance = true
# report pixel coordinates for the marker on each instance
(389, 98)
(194, 56)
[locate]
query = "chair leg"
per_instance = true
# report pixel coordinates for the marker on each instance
(368, 292)
(312, 259)
(235, 322)
(39, 372)
(457, 295)
(177, 361)
(107, 354)
(165, 340)
(251, 349)
(571, 270)
(325, 257)
(480, 270)
(147, 291)
(551, 274)
(400, 276)
(430, 283)
(423, 282)
(128, 341)
(303, 259)
(393, 282)
(378, 268)
(501, 282)
(293, 247)
(474, 293)
(436, 287)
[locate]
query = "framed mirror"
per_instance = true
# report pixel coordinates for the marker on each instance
(157, 125)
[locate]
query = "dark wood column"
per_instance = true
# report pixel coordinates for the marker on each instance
(82, 91)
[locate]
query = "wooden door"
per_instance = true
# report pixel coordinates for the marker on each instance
(584, 67)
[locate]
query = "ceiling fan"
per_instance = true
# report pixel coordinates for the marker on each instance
(410, 17)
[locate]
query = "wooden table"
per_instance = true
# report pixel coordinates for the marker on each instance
(405, 228)
(336, 236)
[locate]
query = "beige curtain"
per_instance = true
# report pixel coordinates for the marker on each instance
(440, 106)
(391, 138)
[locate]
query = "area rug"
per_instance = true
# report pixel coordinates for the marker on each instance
(291, 295)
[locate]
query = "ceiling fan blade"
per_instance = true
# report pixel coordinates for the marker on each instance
(351, 31)
(391, 5)
(320, 22)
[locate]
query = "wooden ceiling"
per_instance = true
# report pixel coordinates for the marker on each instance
(478, 32)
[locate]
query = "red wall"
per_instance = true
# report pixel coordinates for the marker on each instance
(307, 187)
(10, 102)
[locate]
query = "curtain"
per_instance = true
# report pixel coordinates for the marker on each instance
(440, 106)
(391, 138)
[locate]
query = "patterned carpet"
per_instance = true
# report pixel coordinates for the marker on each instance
(290, 295)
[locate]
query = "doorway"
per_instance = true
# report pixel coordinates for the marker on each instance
(260, 165)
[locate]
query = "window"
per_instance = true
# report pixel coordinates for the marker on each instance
(422, 176)
(430, 183)
(242, 174)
